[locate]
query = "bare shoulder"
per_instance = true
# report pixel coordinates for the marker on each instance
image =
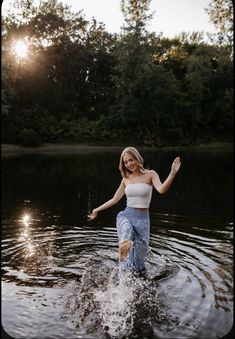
(152, 173)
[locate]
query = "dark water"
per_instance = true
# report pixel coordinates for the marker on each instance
(59, 271)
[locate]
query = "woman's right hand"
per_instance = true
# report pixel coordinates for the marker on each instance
(92, 215)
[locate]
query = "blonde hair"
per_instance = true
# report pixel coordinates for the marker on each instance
(136, 155)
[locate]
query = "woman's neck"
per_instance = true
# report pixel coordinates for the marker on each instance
(136, 173)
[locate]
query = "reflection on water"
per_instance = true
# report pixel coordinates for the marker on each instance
(60, 271)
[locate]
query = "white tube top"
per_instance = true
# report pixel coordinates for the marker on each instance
(138, 195)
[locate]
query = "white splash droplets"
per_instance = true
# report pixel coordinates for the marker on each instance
(116, 307)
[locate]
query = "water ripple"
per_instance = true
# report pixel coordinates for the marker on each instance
(181, 263)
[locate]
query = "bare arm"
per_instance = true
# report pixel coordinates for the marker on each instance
(117, 196)
(163, 187)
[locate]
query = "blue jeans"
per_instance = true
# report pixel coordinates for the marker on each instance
(134, 225)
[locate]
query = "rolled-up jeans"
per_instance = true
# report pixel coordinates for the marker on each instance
(134, 225)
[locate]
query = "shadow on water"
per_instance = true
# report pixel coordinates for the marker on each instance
(60, 272)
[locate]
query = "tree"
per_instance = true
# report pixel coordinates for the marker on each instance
(158, 94)
(221, 15)
(80, 83)
(68, 71)
(132, 53)
(136, 15)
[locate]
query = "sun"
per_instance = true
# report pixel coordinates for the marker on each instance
(20, 48)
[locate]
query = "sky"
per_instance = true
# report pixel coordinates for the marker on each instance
(171, 16)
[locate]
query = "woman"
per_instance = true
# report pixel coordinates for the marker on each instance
(133, 224)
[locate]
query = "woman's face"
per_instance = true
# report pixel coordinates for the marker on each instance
(130, 162)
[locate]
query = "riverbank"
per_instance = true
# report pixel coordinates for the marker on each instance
(62, 148)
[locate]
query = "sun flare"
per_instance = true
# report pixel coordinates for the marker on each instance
(20, 48)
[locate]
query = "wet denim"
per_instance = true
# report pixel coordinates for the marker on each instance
(134, 225)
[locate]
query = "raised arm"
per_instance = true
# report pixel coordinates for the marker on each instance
(163, 187)
(117, 196)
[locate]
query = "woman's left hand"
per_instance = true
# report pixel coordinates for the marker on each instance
(176, 165)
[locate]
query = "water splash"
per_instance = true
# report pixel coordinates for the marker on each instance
(115, 308)
(126, 305)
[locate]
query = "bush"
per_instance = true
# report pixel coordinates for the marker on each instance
(29, 137)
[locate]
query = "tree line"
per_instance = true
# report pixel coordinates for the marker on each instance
(81, 84)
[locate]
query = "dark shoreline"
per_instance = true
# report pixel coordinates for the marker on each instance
(82, 148)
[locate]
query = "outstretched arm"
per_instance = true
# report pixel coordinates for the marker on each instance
(163, 187)
(117, 196)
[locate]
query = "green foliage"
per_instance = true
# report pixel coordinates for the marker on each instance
(221, 15)
(29, 137)
(136, 14)
(81, 84)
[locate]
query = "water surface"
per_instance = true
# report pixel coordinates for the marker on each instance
(59, 271)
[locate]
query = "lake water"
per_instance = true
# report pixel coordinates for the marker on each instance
(59, 271)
